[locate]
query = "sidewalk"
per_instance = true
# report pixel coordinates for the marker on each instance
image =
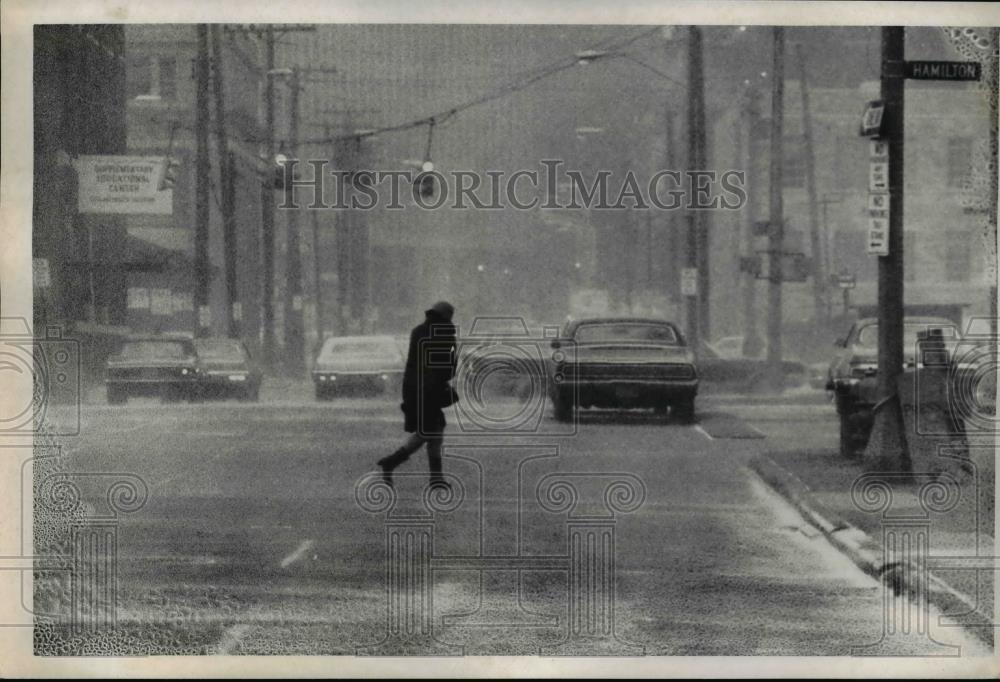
(819, 483)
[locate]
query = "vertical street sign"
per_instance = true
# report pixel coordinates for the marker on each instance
(689, 281)
(877, 241)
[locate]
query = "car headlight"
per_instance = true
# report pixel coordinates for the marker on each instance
(184, 370)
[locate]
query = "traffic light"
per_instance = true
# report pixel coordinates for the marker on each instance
(424, 184)
(168, 173)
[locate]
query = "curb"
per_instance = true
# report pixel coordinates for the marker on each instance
(862, 549)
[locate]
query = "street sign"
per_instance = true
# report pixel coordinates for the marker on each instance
(943, 71)
(40, 276)
(871, 120)
(878, 204)
(689, 281)
(844, 280)
(878, 237)
(878, 176)
(878, 150)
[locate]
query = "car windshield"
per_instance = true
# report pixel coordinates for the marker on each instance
(365, 348)
(220, 349)
(868, 335)
(626, 331)
(154, 350)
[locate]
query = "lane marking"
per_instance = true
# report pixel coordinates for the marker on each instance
(697, 427)
(303, 547)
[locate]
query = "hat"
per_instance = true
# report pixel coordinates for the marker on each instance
(442, 308)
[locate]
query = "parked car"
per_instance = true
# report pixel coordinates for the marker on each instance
(623, 362)
(357, 364)
(156, 366)
(227, 369)
(853, 373)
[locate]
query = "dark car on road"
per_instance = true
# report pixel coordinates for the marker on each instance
(157, 366)
(853, 372)
(623, 363)
(227, 369)
(365, 365)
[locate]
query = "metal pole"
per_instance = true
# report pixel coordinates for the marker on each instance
(202, 185)
(267, 201)
(887, 446)
(294, 340)
(692, 307)
(226, 180)
(777, 231)
(819, 278)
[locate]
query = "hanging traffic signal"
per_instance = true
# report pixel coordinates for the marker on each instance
(168, 173)
(424, 185)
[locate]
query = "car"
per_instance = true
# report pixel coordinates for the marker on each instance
(155, 366)
(227, 369)
(357, 364)
(623, 362)
(853, 373)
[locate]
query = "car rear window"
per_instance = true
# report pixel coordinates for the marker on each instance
(154, 350)
(221, 349)
(868, 335)
(626, 331)
(383, 349)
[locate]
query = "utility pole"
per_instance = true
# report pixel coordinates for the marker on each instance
(294, 337)
(752, 344)
(819, 277)
(696, 87)
(202, 185)
(672, 225)
(776, 227)
(227, 168)
(887, 445)
(267, 200)
(692, 304)
(317, 289)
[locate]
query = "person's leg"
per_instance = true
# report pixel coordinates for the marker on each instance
(412, 444)
(434, 446)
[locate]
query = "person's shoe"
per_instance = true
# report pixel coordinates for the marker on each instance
(386, 466)
(439, 483)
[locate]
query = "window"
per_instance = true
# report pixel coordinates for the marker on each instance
(139, 80)
(167, 78)
(152, 78)
(959, 160)
(957, 258)
(794, 171)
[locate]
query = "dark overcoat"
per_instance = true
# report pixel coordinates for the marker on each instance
(430, 366)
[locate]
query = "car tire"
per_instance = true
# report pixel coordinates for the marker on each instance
(117, 396)
(684, 410)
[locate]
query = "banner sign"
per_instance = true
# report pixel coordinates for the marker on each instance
(122, 185)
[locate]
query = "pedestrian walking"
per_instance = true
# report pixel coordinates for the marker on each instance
(427, 390)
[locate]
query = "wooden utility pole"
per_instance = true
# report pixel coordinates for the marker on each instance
(777, 227)
(699, 162)
(692, 307)
(267, 201)
(887, 446)
(752, 344)
(294, 336)
(202, 277)
(819, 276)
(227, 183)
